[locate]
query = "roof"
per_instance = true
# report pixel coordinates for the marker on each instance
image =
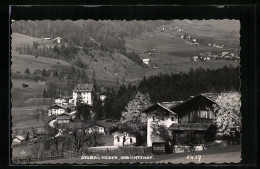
(199, 101)
(146, 60)
(84, 87)
(171, 104)
(67, 97)
(58, 106)
(157, 105)
(19, 137)
(190, 126)
(95, 125)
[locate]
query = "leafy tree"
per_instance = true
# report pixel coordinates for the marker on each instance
(228, 116)
(161, 132)
(133, 116)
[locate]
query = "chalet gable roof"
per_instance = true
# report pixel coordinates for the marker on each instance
(196, 102)
(154, 106)
(19, 137)
(58, 106)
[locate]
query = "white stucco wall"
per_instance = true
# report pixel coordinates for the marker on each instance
(118, 139)
(56, 111)
(86, 97)
(158, 120)
(59, 101)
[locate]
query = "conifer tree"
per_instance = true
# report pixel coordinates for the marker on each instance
(27, 71)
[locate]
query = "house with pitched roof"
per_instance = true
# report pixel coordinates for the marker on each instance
(85, 91)
(159, 114)
(57, 109)
(195, 114)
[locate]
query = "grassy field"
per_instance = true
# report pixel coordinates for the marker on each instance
(29, 96)
(20, 62)
(19, 39)
(22, 115)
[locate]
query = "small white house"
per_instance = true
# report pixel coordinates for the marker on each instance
(59, 100)
(56, 110)
(224, 53)
(195, 58)
(123, 139)
(95, 128)
(146, 61)
(18, 139)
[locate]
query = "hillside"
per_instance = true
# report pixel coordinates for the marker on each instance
(105, 58)
(167, 50)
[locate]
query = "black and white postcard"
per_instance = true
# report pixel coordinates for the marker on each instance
(116, 91)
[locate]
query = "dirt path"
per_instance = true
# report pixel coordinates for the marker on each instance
(51, 123)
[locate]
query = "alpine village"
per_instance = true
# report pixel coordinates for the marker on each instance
(159, 89)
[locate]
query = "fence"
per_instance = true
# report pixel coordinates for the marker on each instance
(115, 151)
(29, 159)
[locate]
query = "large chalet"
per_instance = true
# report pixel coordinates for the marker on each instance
(195, 114)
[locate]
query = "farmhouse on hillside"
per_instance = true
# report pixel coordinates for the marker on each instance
(18, 139)
(195, 115)
(146, 61)
(57, 109)
(95, 128)
(63, 100)
(86, 92)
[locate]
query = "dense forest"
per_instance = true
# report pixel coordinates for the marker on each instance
(174, 87)
(86, 32)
